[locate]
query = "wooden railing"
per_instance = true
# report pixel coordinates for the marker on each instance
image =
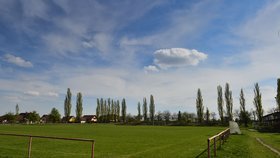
(221, 137)
(48, 137)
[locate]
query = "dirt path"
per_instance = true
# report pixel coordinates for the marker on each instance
(269, 147)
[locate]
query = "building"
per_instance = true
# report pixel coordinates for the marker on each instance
(44, 119)
(71, 119)
(271, 119)
(90, 118)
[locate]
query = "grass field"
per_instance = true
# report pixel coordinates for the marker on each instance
(126, 141)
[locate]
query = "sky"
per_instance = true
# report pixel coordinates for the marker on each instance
(132, 49)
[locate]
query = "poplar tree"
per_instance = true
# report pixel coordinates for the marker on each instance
(98, 110)
(17, 109)
(124, 110)
(145, 110)
(109, 110)
(152, 109)
(105, 111)
(199, 106)
(139, 111)
(228, 99)
(102, 109)
(67, 104)
(220, 103)
(258, 102)
(207, 115)
(112, 110)
(118, 110)
(278, 94)
(244, 115)
(79, 106)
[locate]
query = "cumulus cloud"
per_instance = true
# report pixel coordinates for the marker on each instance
(17, 61)
(178, 57)
(32, 93)
(151, 68)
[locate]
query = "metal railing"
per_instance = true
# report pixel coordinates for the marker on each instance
(221, 137)
(49, 137)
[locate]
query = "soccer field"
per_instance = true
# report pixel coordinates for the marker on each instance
(121, 141)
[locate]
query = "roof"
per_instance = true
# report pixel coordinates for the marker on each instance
(273, 114)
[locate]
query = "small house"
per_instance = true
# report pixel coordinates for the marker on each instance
(70, 119)
(44, 118)
(90, 118)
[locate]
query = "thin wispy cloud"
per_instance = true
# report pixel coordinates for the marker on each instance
(32, 93)
(114, 49)
(17, 61)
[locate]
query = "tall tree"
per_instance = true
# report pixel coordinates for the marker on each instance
(79, 106)
(179, 118)
(228, 99)
(112, 110)
(102, 110)
(152, 109)
(258, 102)
(105, 111)
(118, 111)
(278, 94)
(139, 111)
(54, 116)
(98, 110)
(199, 106)
(123, 110)
(17, 109)
(145, 110)
(115, 111)
(67, 104)
(244, 115)
(207, 115)
(220, 103)
(109, 110)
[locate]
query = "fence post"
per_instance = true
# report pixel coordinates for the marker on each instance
(29, 147)
(215, 146)
(208, 142)
(92, 149)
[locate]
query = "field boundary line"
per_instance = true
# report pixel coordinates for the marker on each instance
(268, 146)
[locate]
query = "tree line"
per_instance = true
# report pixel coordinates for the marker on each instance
(226, 114)
(110, 110)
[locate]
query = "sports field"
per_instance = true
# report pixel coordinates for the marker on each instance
(125, 141)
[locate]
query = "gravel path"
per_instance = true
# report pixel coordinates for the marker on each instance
(269, 147)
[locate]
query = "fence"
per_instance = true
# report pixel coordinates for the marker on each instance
(221, 137)
(48, 137)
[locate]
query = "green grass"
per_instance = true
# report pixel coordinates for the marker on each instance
(246, 145)
(127, 141)
(111, 140)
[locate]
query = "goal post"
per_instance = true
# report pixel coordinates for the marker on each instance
(92, 141)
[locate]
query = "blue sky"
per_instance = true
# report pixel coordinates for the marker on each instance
(132, 49)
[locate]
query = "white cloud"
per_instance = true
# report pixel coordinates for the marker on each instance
(53, 94)
(61, 43)
(17, 61)
(178, 57)
(178, 27)
(32, 93)
(101, 41)
(151, 68)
